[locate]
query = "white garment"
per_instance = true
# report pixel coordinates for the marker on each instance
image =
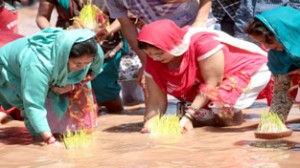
(258, 82)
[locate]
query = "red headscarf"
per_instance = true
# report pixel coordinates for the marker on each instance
(175, 40)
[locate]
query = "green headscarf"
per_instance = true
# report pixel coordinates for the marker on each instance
(57, 44)
(284, 23)
(30, 65)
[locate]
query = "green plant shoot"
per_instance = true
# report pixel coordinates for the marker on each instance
(167, 125)
(77, 140)
(270, 122)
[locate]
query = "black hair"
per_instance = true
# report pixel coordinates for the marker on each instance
(85, 47)
(258, 28)
(144, 45)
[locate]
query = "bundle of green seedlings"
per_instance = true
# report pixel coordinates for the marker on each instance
(166, 125)
(270, 122)
(90, 17)
(78, 139)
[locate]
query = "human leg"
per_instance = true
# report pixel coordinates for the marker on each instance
(243, 14)
(281, 101)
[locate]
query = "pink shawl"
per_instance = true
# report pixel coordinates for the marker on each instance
(175, 40)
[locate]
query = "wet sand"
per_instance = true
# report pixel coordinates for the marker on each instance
(117, 141)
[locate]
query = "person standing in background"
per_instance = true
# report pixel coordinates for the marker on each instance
(249, 8)
(224, 11)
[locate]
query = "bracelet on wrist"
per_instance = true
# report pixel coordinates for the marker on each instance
(188, 115)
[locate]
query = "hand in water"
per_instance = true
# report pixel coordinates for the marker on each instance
(186, 124)
(56, 145)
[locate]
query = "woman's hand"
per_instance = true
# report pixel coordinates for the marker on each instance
(186, 124)
(62, 90)
(49, 139)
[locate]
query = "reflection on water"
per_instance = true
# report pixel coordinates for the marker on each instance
(15, 135)
(277, 144)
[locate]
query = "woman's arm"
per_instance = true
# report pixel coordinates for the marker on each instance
(35, 86)
(44, 14)
(212, 71)
(203, 13)
(156, 101)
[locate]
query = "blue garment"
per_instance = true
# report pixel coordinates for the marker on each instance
(284, 23)
(243, 14)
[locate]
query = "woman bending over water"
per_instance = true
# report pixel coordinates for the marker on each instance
(205, 68)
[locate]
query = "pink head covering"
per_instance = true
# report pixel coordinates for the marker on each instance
(166, 35)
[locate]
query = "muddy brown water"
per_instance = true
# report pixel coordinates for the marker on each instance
(117, 141)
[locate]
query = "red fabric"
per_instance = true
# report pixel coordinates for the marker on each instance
(184, 83)
(13, 112)
(7, 37)
(267, 92)
(166, 39)
(295, 83)
(8, 20)
(81, 114)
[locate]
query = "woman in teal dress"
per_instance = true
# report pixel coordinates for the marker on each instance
(278, 31)
(46, 75)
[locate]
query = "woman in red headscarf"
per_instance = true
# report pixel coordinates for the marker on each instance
(215, 73)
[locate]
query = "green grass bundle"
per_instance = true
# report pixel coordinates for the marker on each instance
(270, 122)
(90, 17)
(167, 125)
(77, 140)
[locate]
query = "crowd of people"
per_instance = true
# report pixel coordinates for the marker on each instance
(216, 57)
